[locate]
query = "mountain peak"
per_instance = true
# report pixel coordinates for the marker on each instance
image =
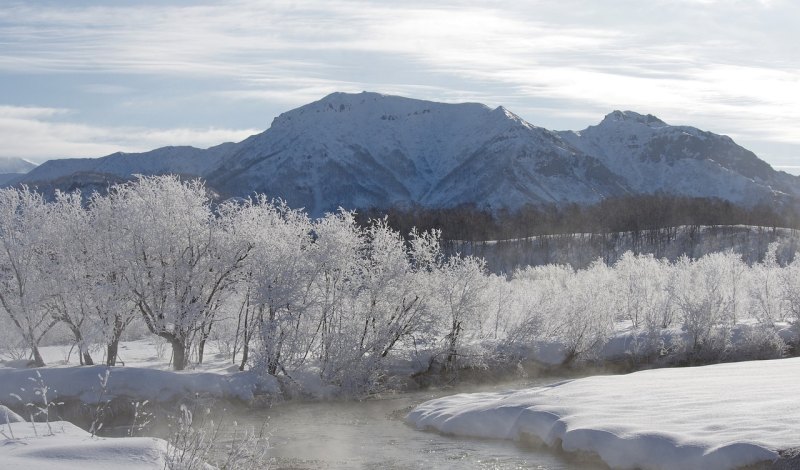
(341, 108)
(633, 117)
(340, 100)
(343, 95)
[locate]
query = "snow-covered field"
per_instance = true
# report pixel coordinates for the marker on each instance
(713, 417)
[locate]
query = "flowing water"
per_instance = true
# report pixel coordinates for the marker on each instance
(372, 434)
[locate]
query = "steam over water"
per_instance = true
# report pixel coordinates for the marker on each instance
(373, 435)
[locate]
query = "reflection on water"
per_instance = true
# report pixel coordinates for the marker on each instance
(373, 435)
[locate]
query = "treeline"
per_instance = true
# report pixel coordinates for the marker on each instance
(286, 294)
(280, 290)
(626, 214)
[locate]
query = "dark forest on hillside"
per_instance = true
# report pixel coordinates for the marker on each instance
(629, 214)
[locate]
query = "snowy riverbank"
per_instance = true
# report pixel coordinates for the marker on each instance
(714, 417)
(83, 383)
(146, 376)
(720, 416)
(63, 445)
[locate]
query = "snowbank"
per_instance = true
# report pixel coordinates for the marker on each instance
(69, 447)
(714, 417)
(83, 383)
(8, 416)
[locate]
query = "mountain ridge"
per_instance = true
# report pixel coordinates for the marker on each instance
(371, 150)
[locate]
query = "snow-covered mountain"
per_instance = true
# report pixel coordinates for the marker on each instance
(372, 150)
(653, 156)
(13, 167)
(364, 150)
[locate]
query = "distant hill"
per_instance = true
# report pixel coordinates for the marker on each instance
(370, 150)
(12, 168)
(15, 165)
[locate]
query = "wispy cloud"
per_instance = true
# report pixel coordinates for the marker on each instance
(29, 112)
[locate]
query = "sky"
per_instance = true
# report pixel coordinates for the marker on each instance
(82, 78)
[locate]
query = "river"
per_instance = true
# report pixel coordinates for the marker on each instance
(372, 434)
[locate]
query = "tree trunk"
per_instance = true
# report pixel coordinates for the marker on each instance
(178, 353)
(87, 358)
(274, 361)
(112, 348)
(452, 352)
(200, 349)
(37, 356)
(111, 352)
(245, 354)
(245, 339)
(236, 335)
(275, 354)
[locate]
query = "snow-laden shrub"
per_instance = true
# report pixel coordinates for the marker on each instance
(767, 303)
(638, 289)
(575, 308)
(757, 341)
(703, 298)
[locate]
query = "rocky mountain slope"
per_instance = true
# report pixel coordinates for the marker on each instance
(371, 150)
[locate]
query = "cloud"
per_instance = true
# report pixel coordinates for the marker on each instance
(29, 112)
(727, 66)
(32, 133)
(106, 89)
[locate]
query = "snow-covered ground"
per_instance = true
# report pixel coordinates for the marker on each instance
(713, 417)
(83, 383)
(63, 445)
(144, 377)
(70, 447)
(150, 352)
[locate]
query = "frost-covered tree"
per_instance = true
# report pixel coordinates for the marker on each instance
(767, 302)
(71, 268)
(345, 300)
(790, 288)
(23, 290)
(461, 285)
(703, 298)
(524, 307)
(574, 308)
(497, 321)
(585, 312)
(275, 282)
(338, 257)
(113, 304)
(639, 282)
(179, 267)
(392, 298)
